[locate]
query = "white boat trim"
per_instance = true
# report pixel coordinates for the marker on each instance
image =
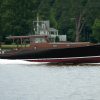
(63, 58)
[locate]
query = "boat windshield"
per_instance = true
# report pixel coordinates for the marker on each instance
(40, 40)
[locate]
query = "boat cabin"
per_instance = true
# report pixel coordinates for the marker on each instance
(44, 38)
(43, 42)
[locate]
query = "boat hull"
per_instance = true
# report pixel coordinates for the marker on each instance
(86, 54)
(75, 60)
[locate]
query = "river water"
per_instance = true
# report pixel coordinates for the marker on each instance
(21, 80)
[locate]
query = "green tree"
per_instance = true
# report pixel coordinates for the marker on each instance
(69, 16)
(45, 8)
(17, 17)
(0, 20)
(96, 30)
(82, 11)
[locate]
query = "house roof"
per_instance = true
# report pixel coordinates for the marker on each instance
(25, 37)
(53, 29)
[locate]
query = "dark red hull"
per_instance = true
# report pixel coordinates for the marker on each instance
(86, 54)
(94, 59)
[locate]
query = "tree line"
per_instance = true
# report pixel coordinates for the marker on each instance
(78, 19)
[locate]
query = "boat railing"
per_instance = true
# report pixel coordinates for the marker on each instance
(2, 51)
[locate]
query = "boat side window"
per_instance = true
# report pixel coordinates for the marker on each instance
(54, 45)
(39, 40)
(35, 48)
(68, 45)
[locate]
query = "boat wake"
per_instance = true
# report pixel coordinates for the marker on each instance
(6, 61)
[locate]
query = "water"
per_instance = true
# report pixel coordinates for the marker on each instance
(20, 80)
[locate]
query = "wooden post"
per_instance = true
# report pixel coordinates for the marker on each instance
(0, 44)
(13, 41)
(21, 41)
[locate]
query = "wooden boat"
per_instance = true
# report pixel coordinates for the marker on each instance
(45, 51)
(79, 52)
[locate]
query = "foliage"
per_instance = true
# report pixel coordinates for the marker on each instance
(96, 29)
(57, 39)
(74, 18)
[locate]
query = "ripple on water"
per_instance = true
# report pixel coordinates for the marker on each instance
(49, 82)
